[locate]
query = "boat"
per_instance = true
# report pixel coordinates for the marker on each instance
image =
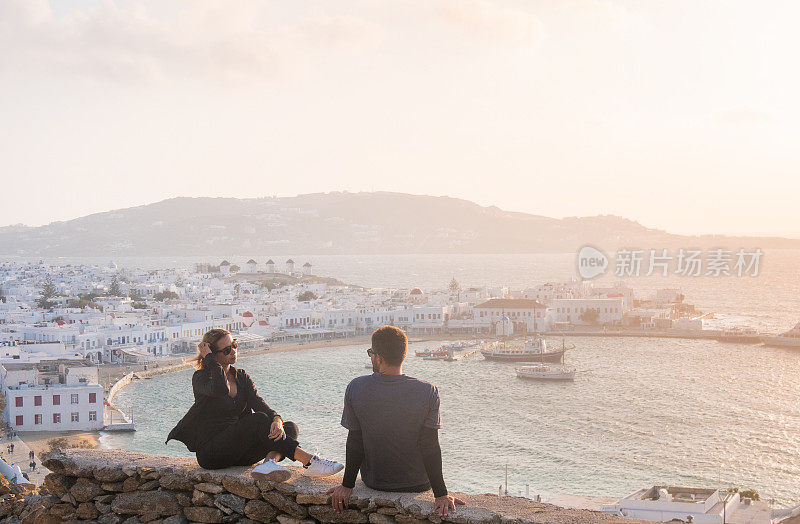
(789, 339)
(546, 372)
(439, 354)
(464, 344)
(741, 335)
(532, 351)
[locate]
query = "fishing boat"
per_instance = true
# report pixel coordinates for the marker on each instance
(789, 339)
(546, 372)
(737, 334)
(532, 350)
(439, 354)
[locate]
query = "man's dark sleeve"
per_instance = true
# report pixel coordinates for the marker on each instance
(354, 455)
(432, 459)
(210, 381)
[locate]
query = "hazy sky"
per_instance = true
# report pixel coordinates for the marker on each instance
(683, 115)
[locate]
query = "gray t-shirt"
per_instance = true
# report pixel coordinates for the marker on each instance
(390, 411)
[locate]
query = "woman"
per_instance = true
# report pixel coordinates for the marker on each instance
(231, 425)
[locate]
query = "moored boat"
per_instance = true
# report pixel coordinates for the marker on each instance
(789, 339)
(534, 350)
(741, 335)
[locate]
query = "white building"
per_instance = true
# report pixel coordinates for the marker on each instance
(290, 266)
(31, 406)
(307, 269)
(251, 266)
(270, 266)
(586, 311)
(525, 316)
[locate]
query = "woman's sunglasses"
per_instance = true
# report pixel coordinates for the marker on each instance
(227, 350)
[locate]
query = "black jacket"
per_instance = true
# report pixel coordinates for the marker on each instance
(212, 403)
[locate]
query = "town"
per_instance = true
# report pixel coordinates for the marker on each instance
(61, 327)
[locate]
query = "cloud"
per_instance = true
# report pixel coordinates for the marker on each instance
(205, 41)
(486, 21)
(742, 116)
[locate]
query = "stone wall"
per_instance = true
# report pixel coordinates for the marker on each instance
(114, 486)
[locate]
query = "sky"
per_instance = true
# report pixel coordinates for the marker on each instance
(682, 115)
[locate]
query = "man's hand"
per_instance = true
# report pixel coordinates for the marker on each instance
(443, 506)
(276, 430)
(339, 497)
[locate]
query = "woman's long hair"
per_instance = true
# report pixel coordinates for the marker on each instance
(211, 337)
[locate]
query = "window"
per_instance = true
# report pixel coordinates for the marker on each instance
(37, 400)
(73, 398)
(19, 420)
(92, 416)
(56, 402)
(37, 418)
(56, 418)
(92, 398)
(73, 417)
(18, 402)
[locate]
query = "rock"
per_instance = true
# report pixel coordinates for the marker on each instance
(313, 498)
(201, 498)
(69, 498)
(149, 485)
(328, 515)
(260, 511)
(387, 511)
(286, 487)
(184, 499)
(141, 502)
(379, 518)
(109, 474)
(242, 486)
(231, 502)
(149, 517)
(113, 486)
(285, 504)
(102, 507)
(62, 511)
(402, 518)
(208, 487)
(265, 485)
(58, 484)
(85, 490)
(108, 518)
(175, 519)
(86, 511)
(129, 470)
(131, 484)
(176, 482)
(105, 499)
(132, 520)
(286, 519)
(203, 514)
(148, 473)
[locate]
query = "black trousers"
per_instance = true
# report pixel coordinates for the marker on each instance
(245, 443)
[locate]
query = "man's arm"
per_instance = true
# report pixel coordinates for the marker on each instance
(354, 455)
(432, 459)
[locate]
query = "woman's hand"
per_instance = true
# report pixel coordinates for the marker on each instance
(203, 348)
(276, 430)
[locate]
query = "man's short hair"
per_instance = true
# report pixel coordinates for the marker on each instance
(390, 343)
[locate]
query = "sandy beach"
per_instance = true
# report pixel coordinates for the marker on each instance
(38, 441)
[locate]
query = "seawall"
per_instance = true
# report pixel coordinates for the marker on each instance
(114, 486)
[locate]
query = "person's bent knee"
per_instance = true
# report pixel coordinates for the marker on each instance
(291, 430)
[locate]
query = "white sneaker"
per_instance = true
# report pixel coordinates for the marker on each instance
(268, 470)
(319, 467)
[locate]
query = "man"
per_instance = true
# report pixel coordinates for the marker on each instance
(393, 422)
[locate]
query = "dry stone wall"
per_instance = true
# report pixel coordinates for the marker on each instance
(115, 487)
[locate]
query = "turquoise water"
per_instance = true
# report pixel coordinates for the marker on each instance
(641, 412)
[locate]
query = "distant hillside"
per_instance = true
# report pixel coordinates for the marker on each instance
(338, 223)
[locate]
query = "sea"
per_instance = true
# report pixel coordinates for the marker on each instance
(642, 411)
